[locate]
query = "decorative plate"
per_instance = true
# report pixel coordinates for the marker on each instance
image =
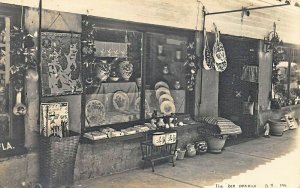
(165, 97)
(161, 84)
(167, 107)
(137, 105)
(120, 100)
(162, 90)
(94, 112)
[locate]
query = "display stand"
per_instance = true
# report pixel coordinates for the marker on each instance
(152, 153)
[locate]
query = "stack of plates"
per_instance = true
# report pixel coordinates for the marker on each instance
(163, 95)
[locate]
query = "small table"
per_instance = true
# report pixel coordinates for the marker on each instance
(153, 153)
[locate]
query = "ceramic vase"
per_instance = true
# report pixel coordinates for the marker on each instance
(102, 70)
(191, 151)
(126, 70)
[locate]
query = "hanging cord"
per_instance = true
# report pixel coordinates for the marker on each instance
(59, 15)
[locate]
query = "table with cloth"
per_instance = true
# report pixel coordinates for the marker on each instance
(105, 92)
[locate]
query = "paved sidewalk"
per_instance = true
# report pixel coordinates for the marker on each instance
(263, 162)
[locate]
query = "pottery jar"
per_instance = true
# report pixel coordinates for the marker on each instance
(102, 70)
(190, 149)
(126, 70)
(201, 147)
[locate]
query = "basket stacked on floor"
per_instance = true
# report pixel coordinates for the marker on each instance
(57, 160)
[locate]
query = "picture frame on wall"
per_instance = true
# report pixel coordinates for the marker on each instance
(60, 64)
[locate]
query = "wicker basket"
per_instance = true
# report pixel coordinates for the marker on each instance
(57, 160)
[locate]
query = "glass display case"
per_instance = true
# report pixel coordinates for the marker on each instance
(165, 77)
(113, 79)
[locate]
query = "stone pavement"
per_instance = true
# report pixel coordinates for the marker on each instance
(262, 162)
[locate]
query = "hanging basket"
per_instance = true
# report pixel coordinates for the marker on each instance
(57, 160)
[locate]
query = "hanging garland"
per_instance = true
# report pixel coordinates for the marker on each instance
(88, 48)
(22, 55)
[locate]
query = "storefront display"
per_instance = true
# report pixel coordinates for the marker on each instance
(113, 95)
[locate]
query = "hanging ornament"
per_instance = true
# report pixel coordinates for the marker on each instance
(191, 65)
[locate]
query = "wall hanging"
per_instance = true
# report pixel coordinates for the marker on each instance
(60, 64)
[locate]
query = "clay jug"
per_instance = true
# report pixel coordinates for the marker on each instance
(191, 151)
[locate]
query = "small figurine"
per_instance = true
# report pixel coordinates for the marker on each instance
(267, 130)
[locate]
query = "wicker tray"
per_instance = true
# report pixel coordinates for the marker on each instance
(57, 160)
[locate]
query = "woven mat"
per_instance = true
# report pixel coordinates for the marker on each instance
(225, 126)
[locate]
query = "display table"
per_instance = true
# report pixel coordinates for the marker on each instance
(152, 153)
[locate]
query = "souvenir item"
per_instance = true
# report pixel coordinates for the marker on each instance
(19, 108)
(102, 70)
(161, 84)
(126, 70)
(159, 139)
(60, 64)
(219, 53)
(177, 85)
(201, 147)
(178, 55)
(208, 61)
(94, 112)
(167, 107)
(54, 119)
(113, 76)
(165, 70)
(162, 90)
(160, 49)
(171, 137)
(165, 97)
(120, 101)
(191, 151)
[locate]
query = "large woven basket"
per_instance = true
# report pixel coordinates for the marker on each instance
(57, 160)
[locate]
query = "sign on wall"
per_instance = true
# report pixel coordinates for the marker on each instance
(60, 64)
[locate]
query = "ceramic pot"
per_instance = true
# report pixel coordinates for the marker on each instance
(201, 147)
(191, 151)
(277, 126)
(102, 70)
(126, 70)
(180, 154)
(215, 144)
